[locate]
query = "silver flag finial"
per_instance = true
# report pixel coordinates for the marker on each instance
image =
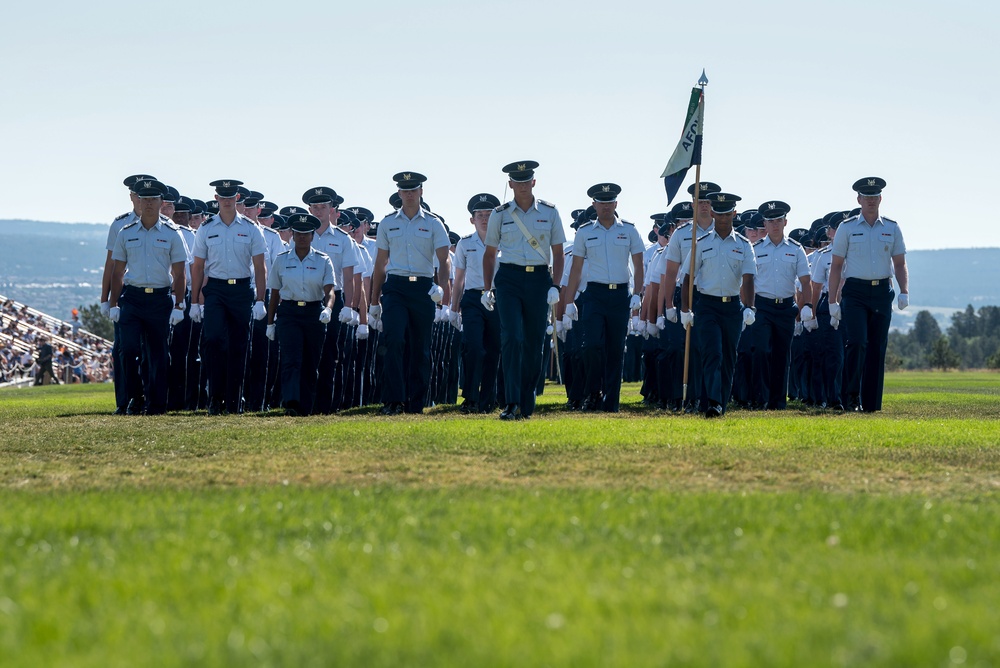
(703, 81)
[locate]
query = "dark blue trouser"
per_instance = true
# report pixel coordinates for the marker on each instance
(773, 331)
(717, 328)
(830, 363)
(299, 334)
(180, 341)
(145, 319)
(225, 336)
(255, 375)
(866, 314)
(481, 351)
(523, 311)
(405, 344)
(329, 361)
(574, 376)
(604, 331)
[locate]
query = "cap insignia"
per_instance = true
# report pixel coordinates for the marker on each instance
(407, 177)
(770, 205)
(606, 189)
(521, 167)
(482, 198)
(871, 182)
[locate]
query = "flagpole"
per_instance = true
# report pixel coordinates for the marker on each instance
(703, 81)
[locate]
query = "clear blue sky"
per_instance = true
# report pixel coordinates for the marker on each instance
(804, 99)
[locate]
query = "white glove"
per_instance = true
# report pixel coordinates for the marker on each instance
(670, 314)
(806, 313)
(362, 332)
(798, 329)
(549, 330)
(197, 312)
(259, 312)
(456, 320)
(437, 293)
(114, 313)
(560, 331)
(437, 316)
(182, 306)
(553, 296)
(567, 322)
(326, 315)
(344, 316)
(903, 300)
(835, 311)
(748, 316)
(446, 314)
(355, 318)
(635, 325)
(687, 319)
(652, 330)
(488, 300)
(374, 311)
(572, 312)
(106, 309)
(834, 322)
(661, 323)
(269, 332)
(376, 324)
(636, 303)
(810, 325)
(176, 316)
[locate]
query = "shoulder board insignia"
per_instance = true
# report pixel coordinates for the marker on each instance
(625, 222)
(889, 220)
(124, 215)
(505, 205)
(681, 227)
(851, 219)
(740, 236)
(548, 204)
(285, 252)
(704, 236)
(318, 252)
(793, 242)
(132, 224)
(468, 236)
(172, 225)
(757, 242)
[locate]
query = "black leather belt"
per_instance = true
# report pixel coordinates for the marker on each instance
(230, 281)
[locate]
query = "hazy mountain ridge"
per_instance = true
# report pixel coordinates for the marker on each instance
(57, 266)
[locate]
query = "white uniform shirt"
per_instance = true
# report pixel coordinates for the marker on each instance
(412, 243)
(868, 249)
(469, 256)
(719, 264)
(228, 250)
(300, 280)
(679, 248)
(608, 250)
(820, 273)
(149, 254)
(778, 267)
(340, 248)
(541, 220)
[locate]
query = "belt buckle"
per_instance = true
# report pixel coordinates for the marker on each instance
(876, 282)
(411, 279)
(612, 286)
(726, 300)
(300, 303)
(529, 268)
(231, 281)
(779, 300)
(148, 291)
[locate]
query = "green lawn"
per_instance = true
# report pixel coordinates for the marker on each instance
(795, 538)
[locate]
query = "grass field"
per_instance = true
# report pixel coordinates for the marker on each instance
(795, 538)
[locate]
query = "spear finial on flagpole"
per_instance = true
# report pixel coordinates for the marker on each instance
(703, 81)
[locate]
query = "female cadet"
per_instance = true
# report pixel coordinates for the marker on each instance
(301, 284)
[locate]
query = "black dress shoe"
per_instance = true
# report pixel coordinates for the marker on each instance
(119, 411)
(392, 409)
(715, 410)
(468, 407)
(134, 408)
(292, 408)
(511, 412)
(216, 409)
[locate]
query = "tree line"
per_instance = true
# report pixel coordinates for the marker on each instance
(971, 342)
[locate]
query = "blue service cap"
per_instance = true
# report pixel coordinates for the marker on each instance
(185, 204)
(211, 207)
(321, 194)
(604, 192)
(149, 188)
(199, 207)
(303, 223)
(723, 202)
(870, 186)
(172, 195)
(706, 188)
(287, 211)
(253, 199)
(682, 211)
(267, 208)
(395, 201)
(226, 187)
(774, 209)
(454, 238)
(130, 180)
(798, 234)
(520, 171)
(278, 222)
(363, 214)
(347, 218)
(409, 180)
(834, 218)
(483, 202)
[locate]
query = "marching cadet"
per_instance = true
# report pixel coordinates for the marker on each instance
(301, 284)
(677, 265)
(574, 377)
(607, 243)
(122, 399)
(668, 340)
(276, 246)
(828, 366)
(404, 295)
(780, 261)
(323, 202)
(480, 327)
(228, 250)
(653, 261)
(524, 231)
(723, 270)
(180, 335)
(750, 224)
(149, 257)
(866, 251)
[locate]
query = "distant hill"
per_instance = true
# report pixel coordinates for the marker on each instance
(57, 266)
